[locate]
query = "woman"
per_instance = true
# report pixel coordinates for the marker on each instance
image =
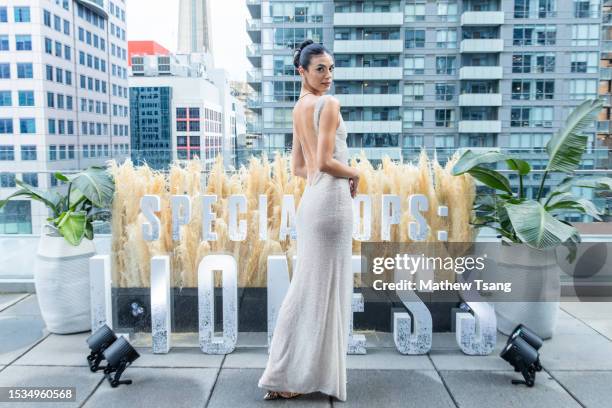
(308, 347)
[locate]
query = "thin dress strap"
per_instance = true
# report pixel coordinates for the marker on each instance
(317, 113)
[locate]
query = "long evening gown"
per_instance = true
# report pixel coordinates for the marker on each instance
(309, 342)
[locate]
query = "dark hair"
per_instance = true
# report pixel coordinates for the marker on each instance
(303, 54)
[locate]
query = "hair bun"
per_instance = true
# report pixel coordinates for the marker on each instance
(306, 43)
(298, 52)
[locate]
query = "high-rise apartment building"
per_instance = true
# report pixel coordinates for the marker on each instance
(439, 74)
(63, 95)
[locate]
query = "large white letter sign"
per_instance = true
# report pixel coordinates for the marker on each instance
(149, 204)
(406, 341)
(100, 283)
(161, 304)
(206, 304)
(277, 286)
(476, 334)
(356, 342)
(263, 217)
(417, 229)
(287, 218)
(366, 234)
(181, 214)
(237, 231)
(207, 217)
(390, 215)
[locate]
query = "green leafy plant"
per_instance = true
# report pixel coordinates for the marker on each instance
(538, 222)
(88, 194)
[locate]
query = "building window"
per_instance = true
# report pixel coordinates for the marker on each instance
(585, 62)
(445, 92)
(446, 38)
(447, 10)
(5, 71)
(414, 91)
(446, 65)
(535, 63)
(414, 10)
(4, 43)
(524, 142)
(7, 153)
(47, 18)
(414, 65)
(445, 117)
(586, 8)
(16, 217)
(6, 125)
(526, 89)
(26, 98)
(5, 98)
(3, 14)
(412, 142)
(535, 8)
(24, 70)
(413, 118)
(30, 178)
(583, 88)
(50, 100)
(585, 34)
(536, 116)
(444, 142)
(52, 155)
(22, 14)
(7, 180)
(27, 126)
(23, 43)
(28, 152)
(415, 38)
(541, 34)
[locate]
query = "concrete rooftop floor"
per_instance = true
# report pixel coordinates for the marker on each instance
(577, 363)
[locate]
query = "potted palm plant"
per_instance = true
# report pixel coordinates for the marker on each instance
(531, 228)
(61, 269)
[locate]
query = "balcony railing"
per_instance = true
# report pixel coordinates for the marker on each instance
(368, 19)
(482, 45)
(477, 18)
(254, 75)
(253, 50)
(253, 24)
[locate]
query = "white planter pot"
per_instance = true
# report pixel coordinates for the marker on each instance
(61, 278)
(532, 273)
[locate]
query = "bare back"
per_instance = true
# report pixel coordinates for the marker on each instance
(304, 130)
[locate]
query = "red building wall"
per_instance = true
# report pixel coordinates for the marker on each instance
(145, 48)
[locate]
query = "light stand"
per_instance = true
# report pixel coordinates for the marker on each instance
(120, 355)
(98, 342)
(521, 351)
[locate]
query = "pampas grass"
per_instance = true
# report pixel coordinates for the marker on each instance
(131, 254)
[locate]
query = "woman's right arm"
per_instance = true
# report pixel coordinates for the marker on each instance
(326, 141)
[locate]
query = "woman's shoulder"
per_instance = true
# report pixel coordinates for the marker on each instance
(331, 99)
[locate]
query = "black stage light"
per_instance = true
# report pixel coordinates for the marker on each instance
(523, 358)
(119, 356)
(98, 342)
(530, 337)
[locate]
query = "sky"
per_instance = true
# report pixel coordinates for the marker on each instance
(157, 20)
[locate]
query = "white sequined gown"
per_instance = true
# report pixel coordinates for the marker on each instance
(309, 343)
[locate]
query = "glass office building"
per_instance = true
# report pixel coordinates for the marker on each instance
(150, 128)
